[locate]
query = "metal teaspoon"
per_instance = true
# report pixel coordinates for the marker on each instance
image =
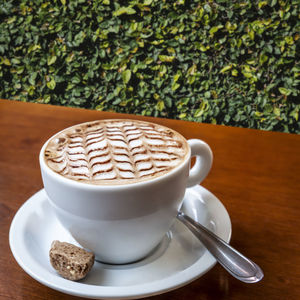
(234, 262)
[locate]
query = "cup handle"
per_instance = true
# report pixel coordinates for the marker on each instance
(202, 166)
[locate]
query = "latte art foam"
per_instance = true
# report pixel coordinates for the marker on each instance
(115, 151)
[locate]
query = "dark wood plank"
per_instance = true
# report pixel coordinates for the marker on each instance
(255, 174)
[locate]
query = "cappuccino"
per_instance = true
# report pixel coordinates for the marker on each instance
(114, 152)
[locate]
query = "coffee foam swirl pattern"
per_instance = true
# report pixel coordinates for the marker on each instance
(115, 151)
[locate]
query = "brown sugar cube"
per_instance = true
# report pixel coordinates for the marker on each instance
(70, 261)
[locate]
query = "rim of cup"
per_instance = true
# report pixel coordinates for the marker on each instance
(90, 186)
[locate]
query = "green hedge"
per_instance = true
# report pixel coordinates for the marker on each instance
(223, 62)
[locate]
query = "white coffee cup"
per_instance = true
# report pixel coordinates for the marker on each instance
(123, 223)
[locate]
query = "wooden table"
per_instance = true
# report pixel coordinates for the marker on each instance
(255, 174)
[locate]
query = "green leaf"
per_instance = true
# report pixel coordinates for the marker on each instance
(276, 111)
(32, 78)
(204, 106)
(7, 62)
(207, 8)
(262, 4)
(203, 48)
(289, 40)
(126, 75)
(214, 29)
(226, 68)
(198, 113)
(284, 91)
(11, 20)
(51, 84)
(258, 114)
(124, 10)
(20, 70)
(207, 94)
(230, 27)
(166, 58)
(15, 61)
(175, 86)
(148, 60)
(47, 98)
(76, 79)
(117, 101)
(79, 38)
(263, 58)
(168, 102)
(192, 70)
(176, 77)
(191, 79)
(160, 105)
(269, 48)
(51, 60)
(70, 57)
(273, 3)
(295, 113)
(33, 48)
(234, 72)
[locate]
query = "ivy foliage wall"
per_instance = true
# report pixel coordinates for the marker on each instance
(223, 62)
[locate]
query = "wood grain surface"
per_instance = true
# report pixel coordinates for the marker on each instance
(255, 174)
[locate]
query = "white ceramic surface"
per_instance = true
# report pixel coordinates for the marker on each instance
(109, 219)
(179, 258)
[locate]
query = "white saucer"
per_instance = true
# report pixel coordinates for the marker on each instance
(179, 259)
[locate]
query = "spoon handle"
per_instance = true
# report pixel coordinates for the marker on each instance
(234, 262)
